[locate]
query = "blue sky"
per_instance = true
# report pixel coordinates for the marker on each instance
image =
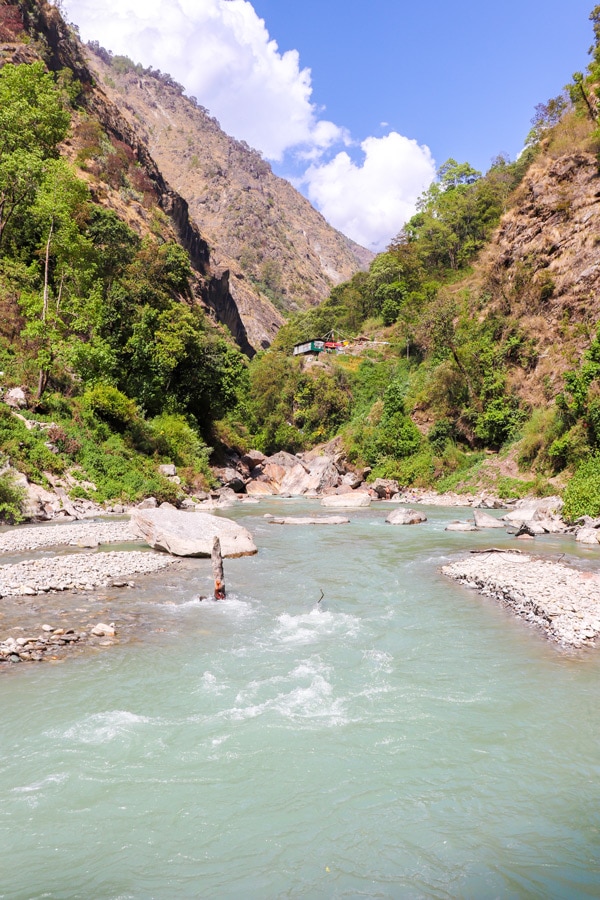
(357, 103)
(462, 77)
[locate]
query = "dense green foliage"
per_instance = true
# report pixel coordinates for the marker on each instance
(11, 499)
(92, 310)
(99, 322)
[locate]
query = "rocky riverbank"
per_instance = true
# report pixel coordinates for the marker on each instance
(82, 534)
(78, 572)
(562, 601)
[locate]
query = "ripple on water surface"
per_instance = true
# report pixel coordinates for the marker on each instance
(403, 738)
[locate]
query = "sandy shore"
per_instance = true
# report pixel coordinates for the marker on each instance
(561, 600)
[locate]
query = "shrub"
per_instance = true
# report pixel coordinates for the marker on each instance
(110, 405)
(582, 495)
(569, 449)
(11, 500)
(177, 440)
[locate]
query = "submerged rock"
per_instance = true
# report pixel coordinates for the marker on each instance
(461, 526)
(308, 520)
(405, 517)
(183, 533)
(355, 500)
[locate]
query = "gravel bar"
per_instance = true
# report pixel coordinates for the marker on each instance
(18, 540)
(561, 600)
(81, 571)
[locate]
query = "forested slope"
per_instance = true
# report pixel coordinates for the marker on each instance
(483, 312)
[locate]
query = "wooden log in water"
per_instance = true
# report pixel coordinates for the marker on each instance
(217, 567)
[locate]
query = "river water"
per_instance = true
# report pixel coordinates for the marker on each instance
(403, 737)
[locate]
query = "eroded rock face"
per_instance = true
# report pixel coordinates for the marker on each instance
(183, 533)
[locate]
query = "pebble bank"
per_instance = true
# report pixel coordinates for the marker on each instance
(561, 600)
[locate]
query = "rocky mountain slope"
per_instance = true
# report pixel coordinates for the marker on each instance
(251, 253)
(542, 266)
(258, 226)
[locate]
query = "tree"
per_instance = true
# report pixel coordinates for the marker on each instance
(33, 120)
(57, 213)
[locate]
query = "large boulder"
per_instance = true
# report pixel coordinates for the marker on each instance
(253, 458)
(182, 533)
(588, 535)
(231, 478)
(405, 517)
(355, 500)
(260, 489)
(318, 474)
(529, 509)
(352, 480)
(460, 526)
(484, 520)
(385, 488)
(16, 398)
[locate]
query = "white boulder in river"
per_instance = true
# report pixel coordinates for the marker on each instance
(191, 533)
(355, 500)
(404, 516)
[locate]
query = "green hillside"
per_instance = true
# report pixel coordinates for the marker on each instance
(479, 364)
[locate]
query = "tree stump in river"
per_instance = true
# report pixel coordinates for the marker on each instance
(217, 567)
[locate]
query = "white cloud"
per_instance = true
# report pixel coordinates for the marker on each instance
(371, 202)
(220, 50)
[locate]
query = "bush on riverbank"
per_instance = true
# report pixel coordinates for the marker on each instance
(582, 495)
(11, 500)
(120, 458)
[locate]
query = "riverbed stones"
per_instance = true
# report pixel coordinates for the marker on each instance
(79, 534)
(561, 600)
(461, 526)
(182, 533)
(355, 500)
(102, 630)
(405, 516)
(80, 571)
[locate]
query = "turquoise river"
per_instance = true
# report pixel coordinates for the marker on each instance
(402, 738)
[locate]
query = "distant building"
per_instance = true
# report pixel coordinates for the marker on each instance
(309, 347)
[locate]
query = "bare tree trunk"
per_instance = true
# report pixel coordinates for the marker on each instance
(217, 567)
(43, 376)
(46, 273)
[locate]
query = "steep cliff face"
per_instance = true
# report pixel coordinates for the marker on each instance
(542, 266)
(257, 224)
(252, 320)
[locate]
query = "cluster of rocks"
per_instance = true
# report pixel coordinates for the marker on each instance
(51, 641)
(526, 519)
(561, 600)
(311, 474)
(77, 572)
